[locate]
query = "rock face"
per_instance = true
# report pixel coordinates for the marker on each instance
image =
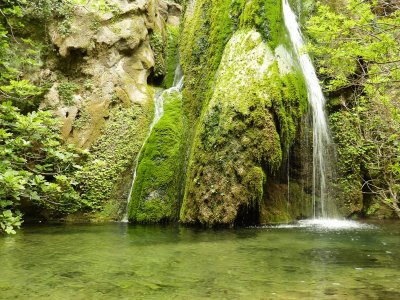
(247, 101)
(238, 143)
(108, 56)
(236, 135)
(220, 155)
(155, 194)
(100, 89)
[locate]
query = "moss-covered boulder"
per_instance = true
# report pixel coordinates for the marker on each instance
(251, 117)
(155, 194)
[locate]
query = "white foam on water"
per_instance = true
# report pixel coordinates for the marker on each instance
(327, 224)
(335, 224)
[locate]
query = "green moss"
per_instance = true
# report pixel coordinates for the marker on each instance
(236, 135)
(111, 210)
(82, 120)
(165, 49)
(171, 55)
(238, 141)
(155, 196)
(66, 92)
(351, 153)
(242, 111)
(157, 44)
(102, 179)
(205, 32)
(207, 27)
(266, 17)
(281, 207)
(289, 98)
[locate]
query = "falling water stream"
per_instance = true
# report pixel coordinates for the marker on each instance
(321, 136)
(158, 113)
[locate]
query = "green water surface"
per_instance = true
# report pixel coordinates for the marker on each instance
(120, 261)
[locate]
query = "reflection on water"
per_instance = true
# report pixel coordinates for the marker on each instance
(120, 261)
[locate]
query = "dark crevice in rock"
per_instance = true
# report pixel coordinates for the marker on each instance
(248, 215)
(71, 65)
(154, 80)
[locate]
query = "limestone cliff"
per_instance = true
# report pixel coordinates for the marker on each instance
(100, 76)
(104, 59)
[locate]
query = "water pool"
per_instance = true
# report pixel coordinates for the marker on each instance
(121, 261)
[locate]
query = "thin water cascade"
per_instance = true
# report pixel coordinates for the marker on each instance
(158, 113)
(321, 136)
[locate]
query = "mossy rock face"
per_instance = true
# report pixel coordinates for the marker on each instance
(284, 203)
(158, 45)
(207, 27)
(105, 179)
(252, 115)
(263, 15)
(348, 196)
(155, 195)
(99, 75)
(304, 9)
(241, 109)
(172, 57)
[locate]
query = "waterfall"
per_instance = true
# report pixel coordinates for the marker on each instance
(158, 113)
(321, 136)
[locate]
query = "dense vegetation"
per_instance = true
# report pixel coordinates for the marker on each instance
(37, 169)
(357, 51)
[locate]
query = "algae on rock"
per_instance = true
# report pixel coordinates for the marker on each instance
(155, 194)
(238, 142)
(172, 56)
(100, 71)
(103, 178)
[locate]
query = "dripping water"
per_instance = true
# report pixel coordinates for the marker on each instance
(321, 136)
(158, 113)
(288, 182)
